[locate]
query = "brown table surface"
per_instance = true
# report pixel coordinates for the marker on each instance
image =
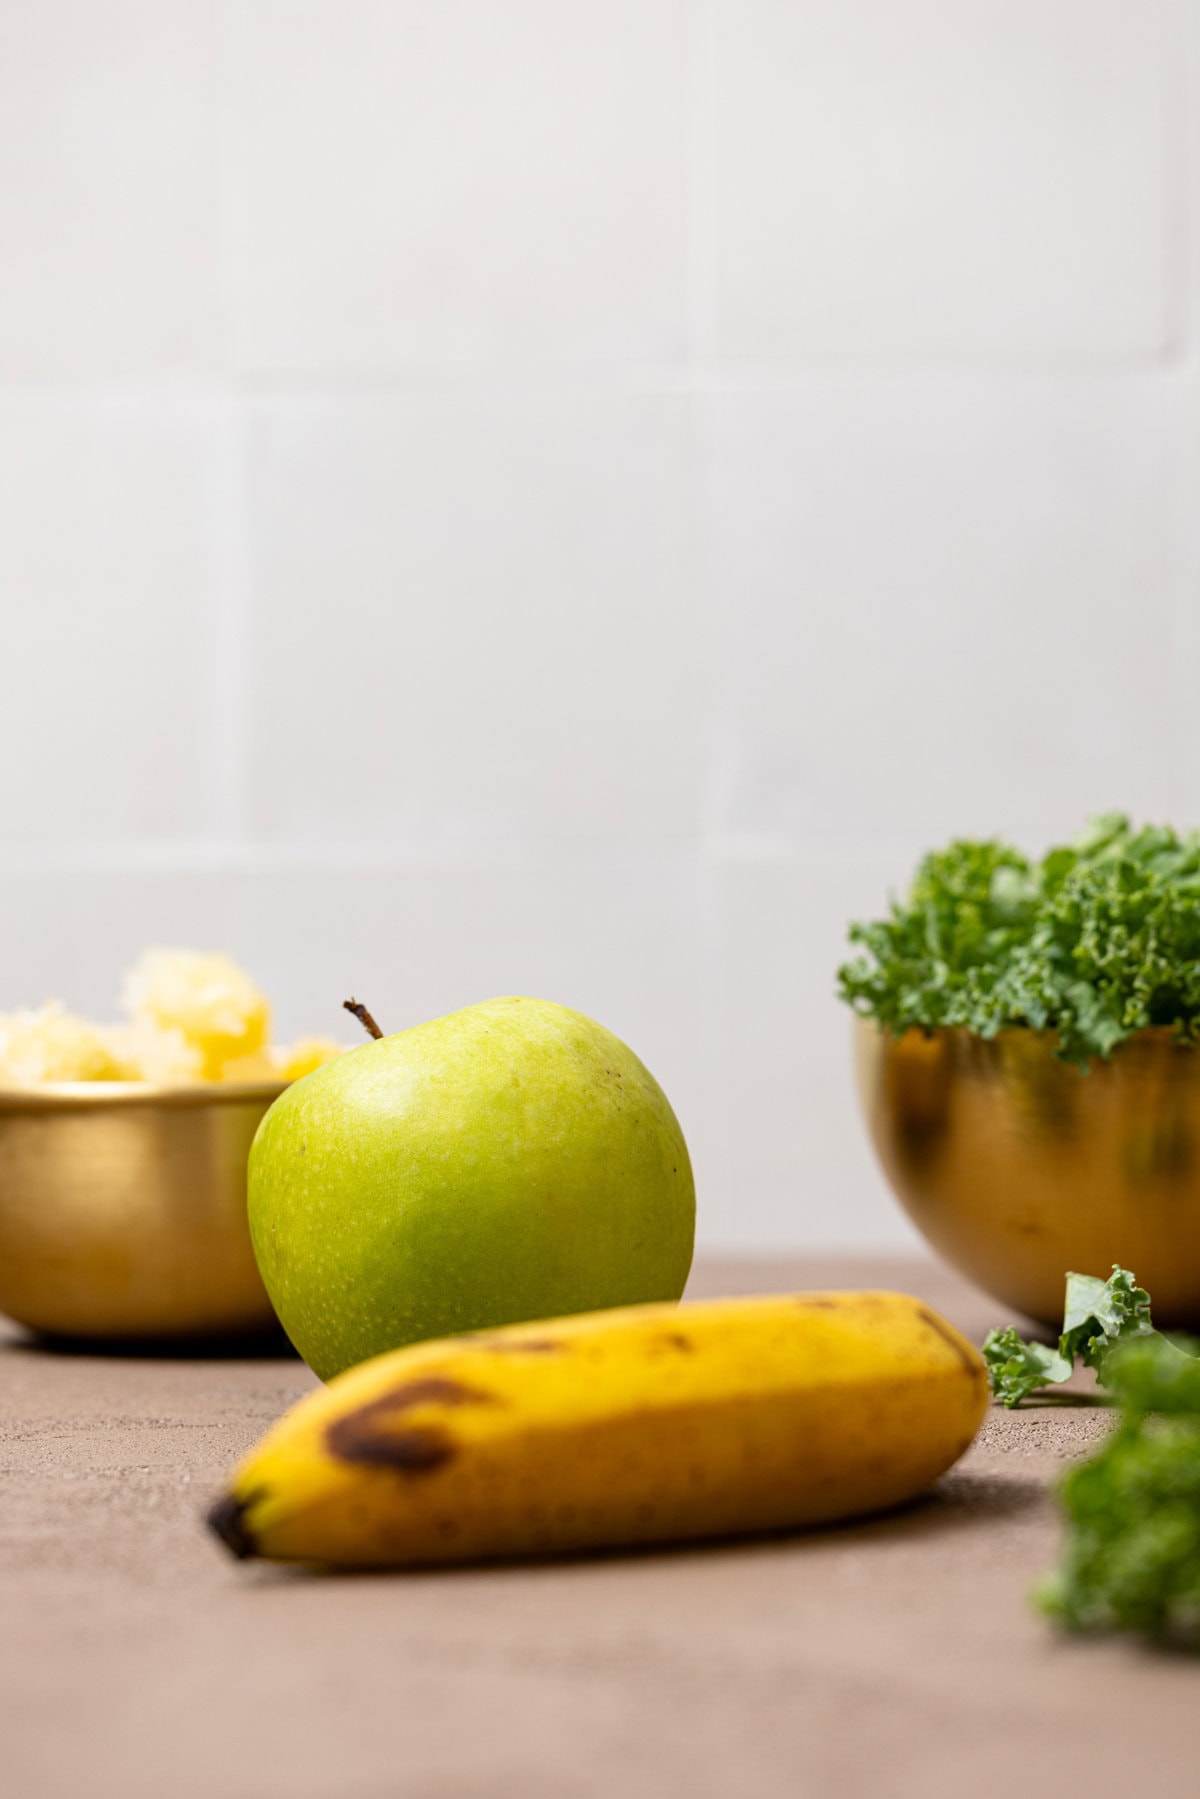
(892, 1657)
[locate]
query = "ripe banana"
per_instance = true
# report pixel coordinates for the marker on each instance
(652, 1423)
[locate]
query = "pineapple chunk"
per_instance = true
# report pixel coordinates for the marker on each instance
(263, 1065)
(283, 1062)
(191, 1017)
(52, 1044)
(208, 998)
(300, 1058)
(145, 1051)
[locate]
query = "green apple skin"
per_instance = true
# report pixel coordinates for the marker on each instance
(510, 1161)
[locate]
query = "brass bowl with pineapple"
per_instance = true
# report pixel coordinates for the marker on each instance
(1017, 1166)
(123, 1208)
(123, 1152)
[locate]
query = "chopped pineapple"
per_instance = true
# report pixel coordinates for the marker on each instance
(263, 1065)
(306, 1054)
(283, 1062)
(208, 998)
(191, 1017)
(52, 1044)
(145, 1051)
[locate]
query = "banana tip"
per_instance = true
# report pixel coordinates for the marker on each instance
(227, 1520)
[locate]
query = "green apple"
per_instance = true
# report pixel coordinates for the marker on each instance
(513, 1160)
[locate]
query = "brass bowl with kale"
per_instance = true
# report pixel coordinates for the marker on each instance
(1028, 1067)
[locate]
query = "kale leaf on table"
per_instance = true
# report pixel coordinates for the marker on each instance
(1097, 1315)
(1016, 1368)
(1132, 1556)
(1099, 939)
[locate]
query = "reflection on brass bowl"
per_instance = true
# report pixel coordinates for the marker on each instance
(123, 1209)
(1017, 1167)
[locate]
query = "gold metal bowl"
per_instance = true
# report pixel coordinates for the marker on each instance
(123, 1209)
(1017, 1167)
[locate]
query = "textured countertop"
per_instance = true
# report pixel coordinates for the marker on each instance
(893, 1657)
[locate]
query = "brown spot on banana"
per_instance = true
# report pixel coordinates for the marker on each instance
(363, 1437)
(418, 1450)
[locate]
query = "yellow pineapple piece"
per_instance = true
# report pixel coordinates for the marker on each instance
(296, 1060)
(263, 1065)
(52, 1044)
(208, 998)
(283, 1062)
(146, 1051)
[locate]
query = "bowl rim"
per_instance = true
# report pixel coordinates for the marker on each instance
(1146, 1033)
(72, 1096)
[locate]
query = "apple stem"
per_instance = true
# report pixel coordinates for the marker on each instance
(363, 1016)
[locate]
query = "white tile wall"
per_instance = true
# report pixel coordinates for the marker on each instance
(942, 603)
(459, 180)
(109, 575)
(472, 618)
(572, 499)
(74, 925)
(109, 187)
(791, 1161)
(945, 178)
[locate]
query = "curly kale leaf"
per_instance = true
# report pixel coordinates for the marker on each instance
(1097, 1316)
(1099, 939)
(1016, 1368)
(1132, 1557)
(1154, 1373)
(966, 914)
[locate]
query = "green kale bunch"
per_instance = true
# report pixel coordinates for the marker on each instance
(1099, 939)
(1132, 1557)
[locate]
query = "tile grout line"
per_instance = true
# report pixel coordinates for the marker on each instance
(701, 341)
(697, 374)
(709, 852)
(700, 164)
(1183, 611)
(229, 634)
(232, 232)
(229, 623)
(1180, 151)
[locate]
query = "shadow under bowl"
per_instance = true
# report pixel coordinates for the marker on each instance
(123, 1210)
(1018, 1167)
